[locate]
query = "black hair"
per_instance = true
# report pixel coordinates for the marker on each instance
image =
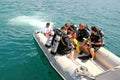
(69, 33)
(47, 23)
(94, 28)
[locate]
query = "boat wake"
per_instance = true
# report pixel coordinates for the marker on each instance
(29, 20)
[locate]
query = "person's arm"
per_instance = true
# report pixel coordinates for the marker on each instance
(95, 43)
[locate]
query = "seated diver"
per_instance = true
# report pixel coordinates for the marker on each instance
(65, 45)
(94, 44)
(82, 34)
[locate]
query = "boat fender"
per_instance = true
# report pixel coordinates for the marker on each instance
(55, 44)
(49, 40)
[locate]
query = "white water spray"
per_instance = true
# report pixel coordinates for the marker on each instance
(27, 20)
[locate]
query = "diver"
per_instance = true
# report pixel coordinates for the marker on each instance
(82, 34)
(93, 43)
(65, 45)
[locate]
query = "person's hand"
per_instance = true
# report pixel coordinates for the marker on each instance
(89, 38)
(91, 43)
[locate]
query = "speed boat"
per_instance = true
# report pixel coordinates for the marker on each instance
(106, 65)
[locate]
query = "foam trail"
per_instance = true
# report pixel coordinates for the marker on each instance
(27, 20)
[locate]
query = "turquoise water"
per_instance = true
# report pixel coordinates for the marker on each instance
(21, 58)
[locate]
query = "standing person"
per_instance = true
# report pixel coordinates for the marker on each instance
(48, 29)
(95, 42)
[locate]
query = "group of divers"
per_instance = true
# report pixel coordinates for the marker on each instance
(71, 39)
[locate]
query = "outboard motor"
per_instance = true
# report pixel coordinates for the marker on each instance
(49, 40)
(56, 42)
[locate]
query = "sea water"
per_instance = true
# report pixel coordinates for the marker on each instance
(20, 56)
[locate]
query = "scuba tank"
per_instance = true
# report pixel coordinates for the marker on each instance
(56, 42)
(49, 40)
(102, 36)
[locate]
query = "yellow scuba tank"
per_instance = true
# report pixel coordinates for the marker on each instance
(77, 45)
(49, 40)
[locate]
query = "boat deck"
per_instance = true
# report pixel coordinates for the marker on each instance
(93, 66)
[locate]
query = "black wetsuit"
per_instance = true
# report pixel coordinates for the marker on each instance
(82, 34)
(65, 46)
(95, 38)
